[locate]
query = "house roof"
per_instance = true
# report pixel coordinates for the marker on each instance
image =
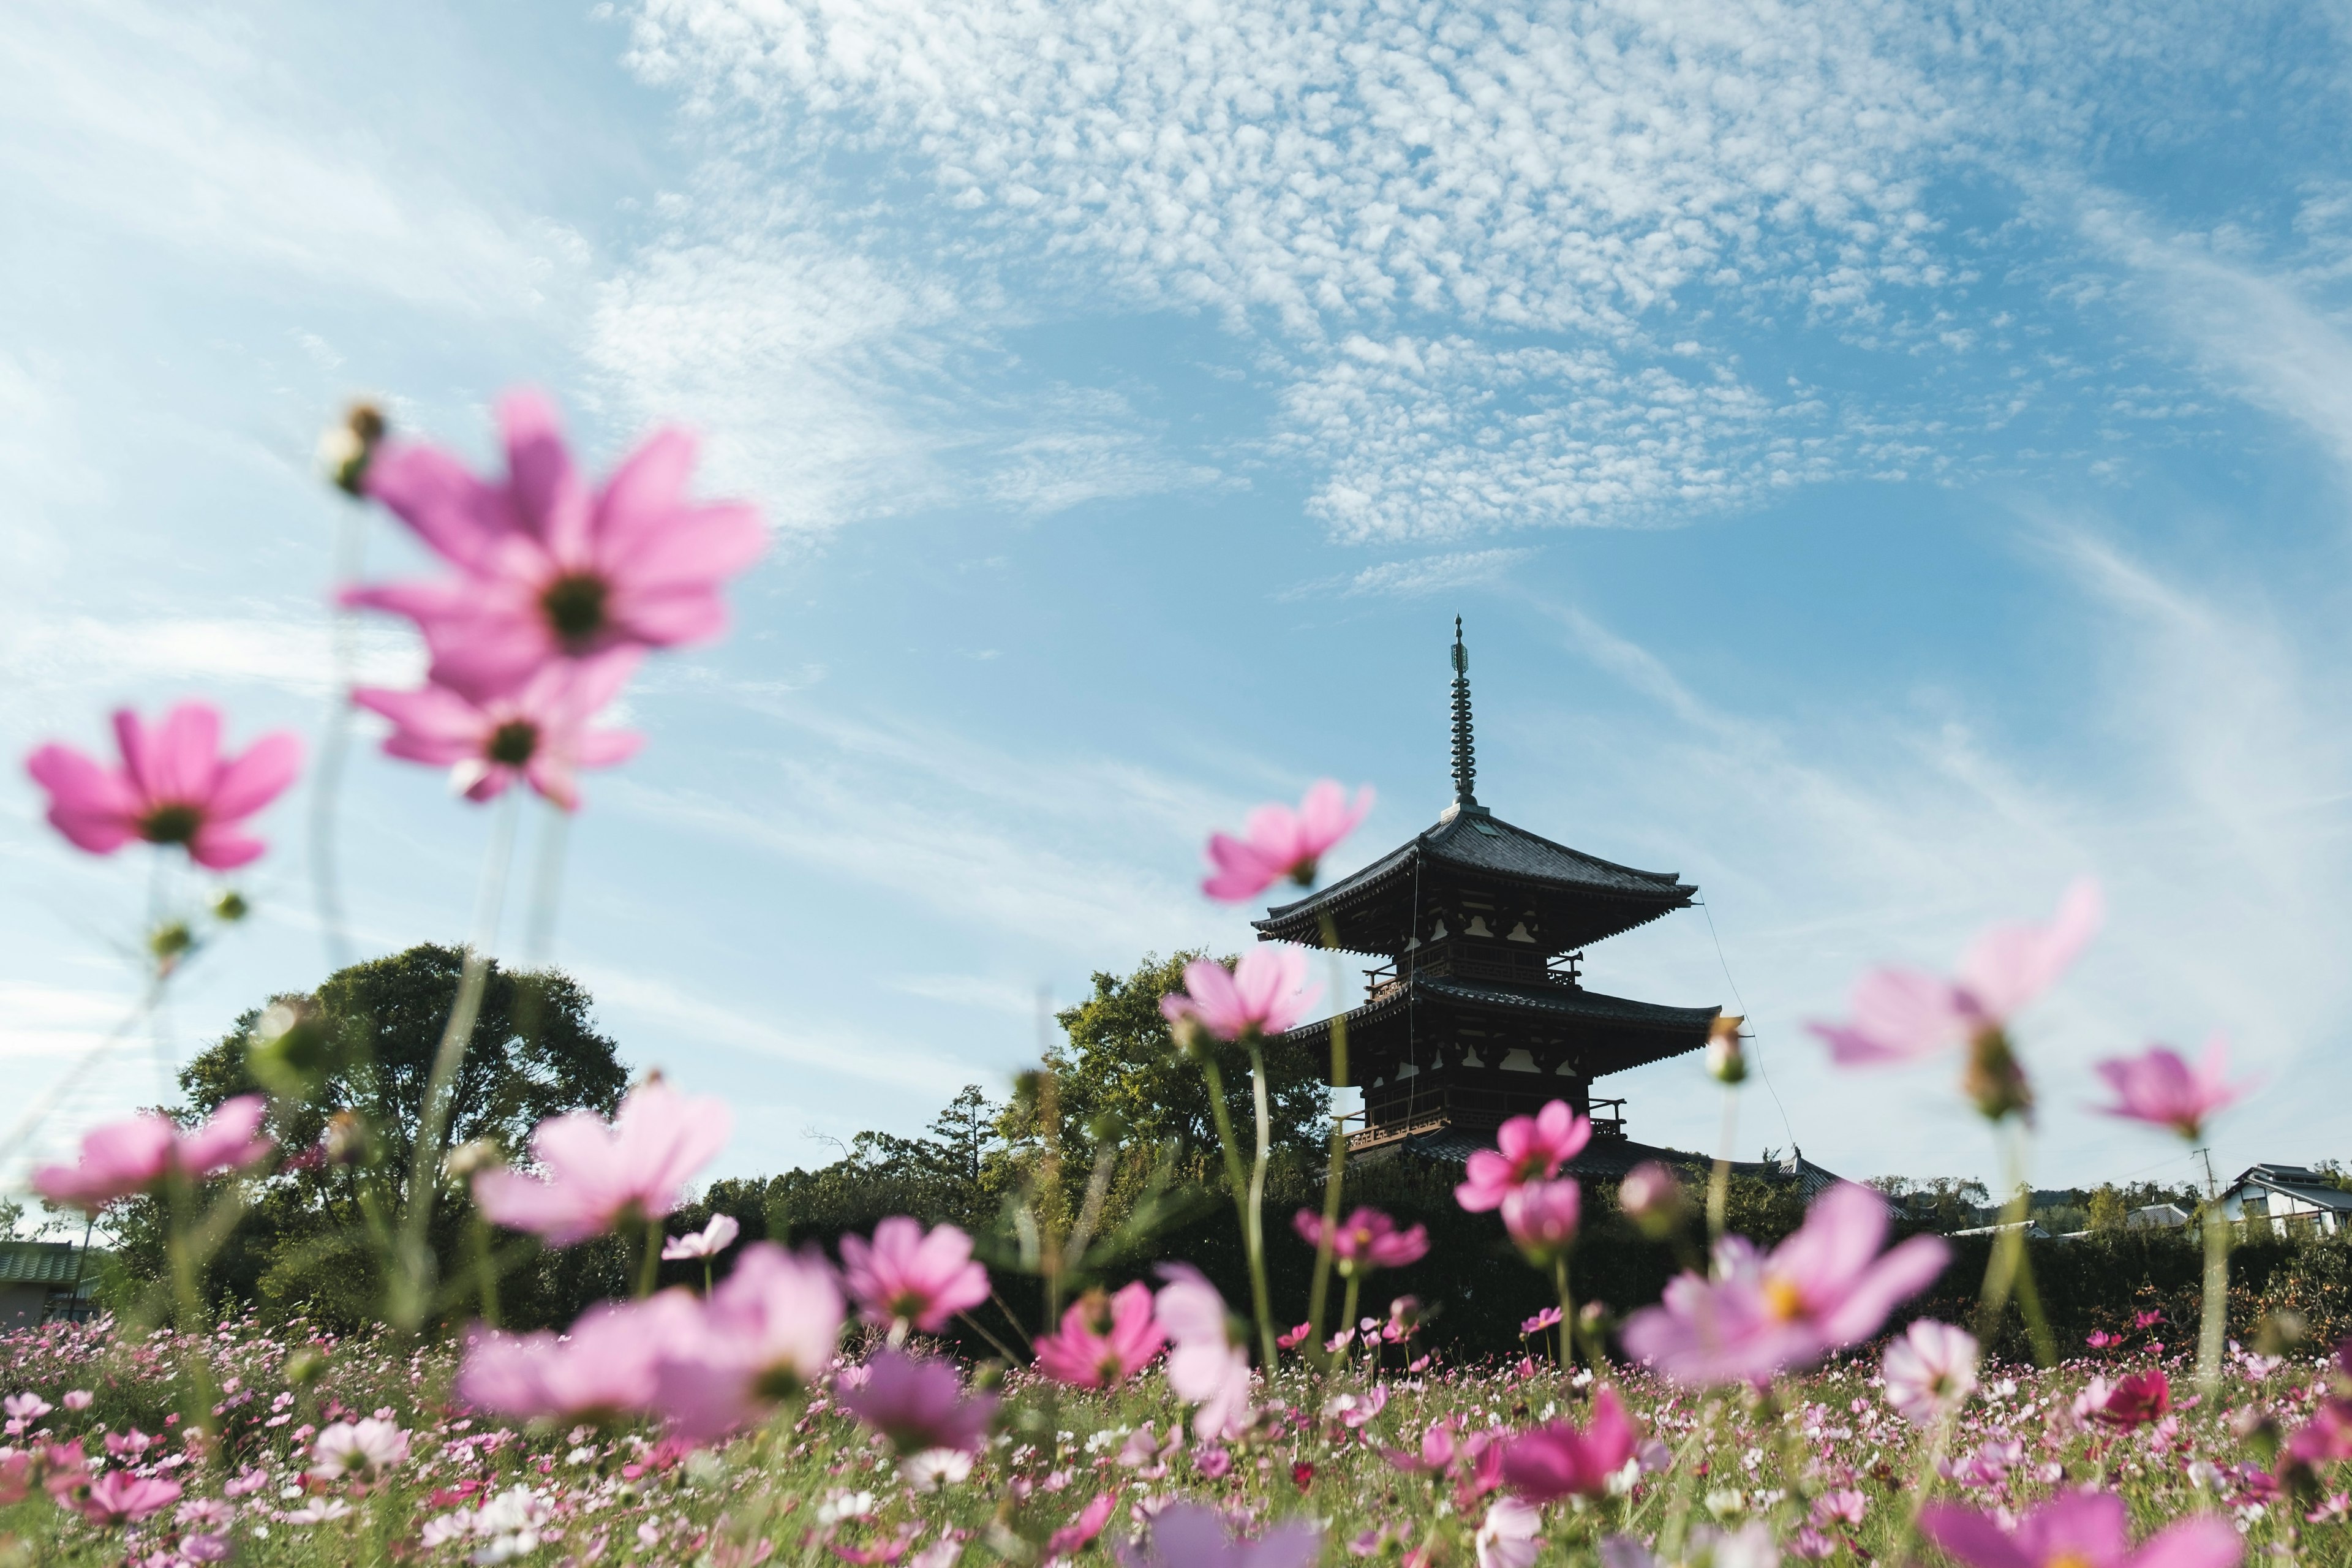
(2297, 1181)
(40, 1263)
(1586, 898)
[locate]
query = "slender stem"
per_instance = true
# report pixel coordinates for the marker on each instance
(2010, 1267)
(2216, 1323)
(1567, 1313)
(1335, 1175)
(1259, 1299)
(546, 884)
(1924, 1483)
(1718, 1184)
(1348, 1303)
(413, 1267)
(649, 1265)
(1238, 1181)
(327, 775)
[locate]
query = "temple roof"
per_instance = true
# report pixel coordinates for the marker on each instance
(1633, 1032)
(1585, 898)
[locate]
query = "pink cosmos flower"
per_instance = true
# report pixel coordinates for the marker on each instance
(1365, 1240)
(126, 1157)
(1262, 993)
(603, 1369)
(120, 1497)
(906, 1279)
(708, 1242)
(1188, 1535)
(599, 1176)
(1931, 1371)
(358, 1451)
(1075, 1535)
(1901, 1014)
(1557, 1461)
(2077, 1530)
(173, 787)
(1650, 1193)
(1208, 1364)
(547, 570)
(2159, 1087)
(2132, 1400)
(1541, 1217)
(1507, 1538)
(769, 1331)
(1283, 843)
(1546, 1318)
(917, 1403)
(1824, 1287)
(1526, 1148)
(538, 732)
(1103, 1343)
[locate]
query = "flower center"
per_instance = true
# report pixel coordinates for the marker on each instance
(576, 608)
(170, 824)
(2068, 1560)
(512, 743)
(1783, 1298)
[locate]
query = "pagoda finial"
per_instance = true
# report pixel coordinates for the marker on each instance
(1465, 756)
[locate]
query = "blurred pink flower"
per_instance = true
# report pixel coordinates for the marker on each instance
(1437, 1451)
(1365, 1240)
(1526, 1148)
(1283, 843)
(358, 1451)
(548, 570)
(918, 1404)
(599, 1176)
(708, 1242)
(173, 787)
(2077, 1530)
(126, 1157)
(1546, 1318)
(1103, 1343)
(1188, 1535)
(118, 1496)
(1082, 1529)
(1507, 1538)
(1824, 1287)
(1262, 993)
(1541, 1217)
(601, 1369)
(1901, 1014)
(1930, 1371)
(909, 1278)
(2132, 1400)
(1556, 1461)
(1650, 1191)
(769, 1331)
(2159, 1087)
(1208, 1364)
(538, 732)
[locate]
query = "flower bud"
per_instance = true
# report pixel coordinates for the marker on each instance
(290, 1051)
(470, 1158)
(304, 1366)
(346, 449)
(1726, 1062)
(169, 943)
(345, 1140)
(230, 907)
(1652, 1199)
(1542, 1217)
(1994, 1080)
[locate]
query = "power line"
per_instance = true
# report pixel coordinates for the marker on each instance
(1754, 1034)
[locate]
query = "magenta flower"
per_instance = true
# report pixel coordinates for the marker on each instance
(548, 570)
(1930, 1371)
(126, 1157)
(120, 1497)
(1103, 1341)
(598, 1175)
(1365, 1240)
(2159, 1087)
(1188, 1535)
(1557, 1461)
(2132, 1400)
(2077, 1530)
(1081, 1531)
(1283, 843)
(904, 1279)
(1263, 993)
(603, 1369)
(708, 1242)
(768, 1332)
(173, 787)
(538, 733)
(1824, 1287)
(917, 1403)
(1208, 1364)
(1541, 1217)
(1901, 1014)
(1526, 1148)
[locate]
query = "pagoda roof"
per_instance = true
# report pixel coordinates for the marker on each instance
(1588, 898)
(1634, 1033)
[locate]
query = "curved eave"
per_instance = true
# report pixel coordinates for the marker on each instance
(1302, 922)
(1657, 1032)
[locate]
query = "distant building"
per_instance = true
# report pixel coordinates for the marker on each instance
(2034, 1232)
(44, 1280)
(2298, 1201)
(2157, 1216)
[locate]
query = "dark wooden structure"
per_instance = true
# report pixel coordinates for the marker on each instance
(1480, 1011)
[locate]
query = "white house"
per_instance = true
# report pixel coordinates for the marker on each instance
(2294, 1200)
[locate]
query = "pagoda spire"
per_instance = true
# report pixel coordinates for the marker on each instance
(1466, 755)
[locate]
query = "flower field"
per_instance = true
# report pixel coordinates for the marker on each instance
(334, 1452)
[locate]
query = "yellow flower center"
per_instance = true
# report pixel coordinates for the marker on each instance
(1785, 1301)
(2068, 1560)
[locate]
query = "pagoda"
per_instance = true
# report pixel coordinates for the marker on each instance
(1480, 1011)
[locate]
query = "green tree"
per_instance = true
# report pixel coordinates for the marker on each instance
(369, 1033)
(2107, 1208)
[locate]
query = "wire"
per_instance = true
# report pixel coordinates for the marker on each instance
(1754, 1034)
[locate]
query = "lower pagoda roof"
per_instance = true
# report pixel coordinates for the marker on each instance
(1629, 1033)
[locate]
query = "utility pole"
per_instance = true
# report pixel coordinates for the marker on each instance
(2212, 1188)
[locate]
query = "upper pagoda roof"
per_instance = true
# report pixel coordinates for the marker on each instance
(1584, 898)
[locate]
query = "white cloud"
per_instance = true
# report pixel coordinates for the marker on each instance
(290, 651)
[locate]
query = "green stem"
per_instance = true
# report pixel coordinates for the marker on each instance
(1718, 1182)
(1925, 1482)
(1335, 1175)
(649, 1265)
(1260, 1301)
(1348, 1303)
(1238, 1181)
(1567, 1313)
(2215, 1326)
(486, 1272)
(2010, 1267)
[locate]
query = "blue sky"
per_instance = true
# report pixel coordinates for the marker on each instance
(1890, 461)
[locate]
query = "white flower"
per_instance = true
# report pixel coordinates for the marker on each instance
(1930, 1371)
(514, 1520)
(939, 1554)
(1507, 1538)
(1749, 1546)
(708, 1242)
(358, 1451)
(840, 1505)
(935, 1467)
(1726, 1502)
(320, 1511)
